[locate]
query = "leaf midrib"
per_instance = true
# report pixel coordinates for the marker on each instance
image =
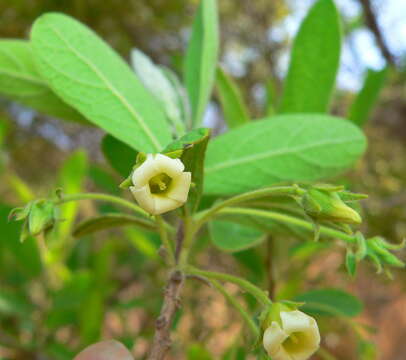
(271, 154)
(109, 86)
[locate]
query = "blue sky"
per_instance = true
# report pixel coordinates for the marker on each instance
(359, 51)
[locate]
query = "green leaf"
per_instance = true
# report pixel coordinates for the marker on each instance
(201, 58)
(330, 302)
(234, 110)
(21, 82)
(197, 352)
(104, 180)
(233, 237)
(12, 303)
(367, 96)
(71, 179)
(297, 147)
(314, 61)
(25, 255)
(108, 221)
(182, 96)
(120, 156)
(88, 75)
(194, 146)
(351, 262)
(253, 263)
(154, 79)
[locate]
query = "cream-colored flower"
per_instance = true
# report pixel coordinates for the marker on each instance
(160, 184)
(297, 337)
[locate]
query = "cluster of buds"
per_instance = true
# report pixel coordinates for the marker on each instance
(159, 183)
(329, 203)
(287, 333)
(39, 216)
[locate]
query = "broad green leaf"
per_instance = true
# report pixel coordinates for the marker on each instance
(297, 147)
(194, 146)
(21, 82)
(330, 302)
(201, 58)
(71, 178)
(120, 156)
(88, 75)
(154, 79)
(314, 61)
(108, 221)
(367, 96)
(234, 109)
(233, 237)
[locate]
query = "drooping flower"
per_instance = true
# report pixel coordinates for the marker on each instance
(105, 350)
(294, 336)
(160, 184)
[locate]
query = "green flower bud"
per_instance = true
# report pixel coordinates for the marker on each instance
(41, 217)
(326, 205)
(38, 216)
(378, 247)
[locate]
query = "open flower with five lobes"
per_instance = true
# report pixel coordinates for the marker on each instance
(293, 335)
(160, 184)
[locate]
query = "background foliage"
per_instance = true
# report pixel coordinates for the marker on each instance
(108, 284)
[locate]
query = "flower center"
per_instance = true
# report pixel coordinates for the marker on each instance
(295, 342)
(159, 183)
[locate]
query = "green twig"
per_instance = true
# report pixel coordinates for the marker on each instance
(205, 215)
(103, 197)
(255, 291)
(289, 220)
(237, 305)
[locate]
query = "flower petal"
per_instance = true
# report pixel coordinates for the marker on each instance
(167, 165)
(144, 198)
(105, 350)
(180, 186)
(273, 338)
(145, 172)
(164, 204)
(294, 321)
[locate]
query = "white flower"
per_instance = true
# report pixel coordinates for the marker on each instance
(296, 338)
(160, 185)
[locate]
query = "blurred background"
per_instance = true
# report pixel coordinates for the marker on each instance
(113, 288)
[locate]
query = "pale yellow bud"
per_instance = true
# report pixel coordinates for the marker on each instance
(160, 184)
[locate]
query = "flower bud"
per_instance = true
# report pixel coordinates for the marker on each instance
(105, 350)
(160, 184)
(38, 216)
(327, 205)
(289, 334)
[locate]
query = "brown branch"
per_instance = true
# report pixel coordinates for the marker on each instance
(372, 23)
(162, 341)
